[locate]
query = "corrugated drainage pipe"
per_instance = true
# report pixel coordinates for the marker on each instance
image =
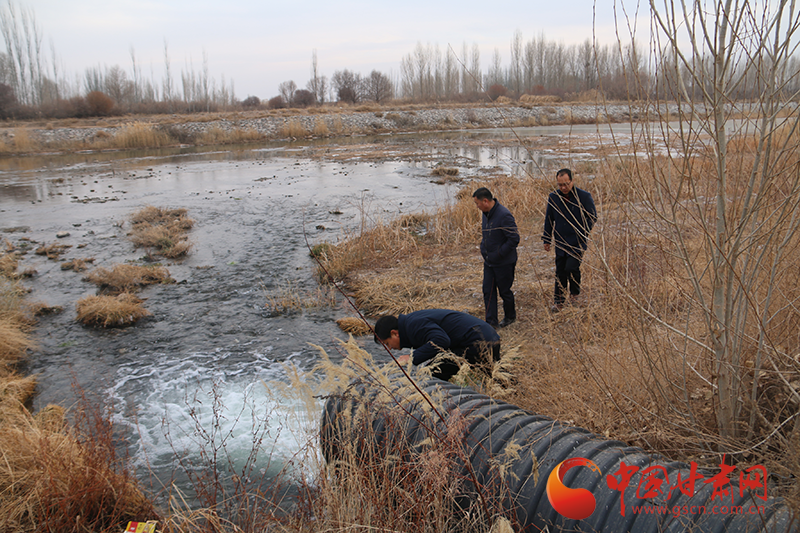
(496, 433)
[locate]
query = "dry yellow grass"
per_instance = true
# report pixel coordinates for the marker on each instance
(626, 376)
(218, 135)
(163, 230)
(539, 99)
(77, 265)
(53, 251)
(289, 299)
(15, 324)
(54, 480)
(137, 135)
(127, 278)
(293, 129)
(320, 128)
(110, 311)
(354, 325)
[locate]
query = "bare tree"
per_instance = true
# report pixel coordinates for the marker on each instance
(377, 87)
(23, 40)
(117, 85)
(726, 195)
(347, 85)
(167, 85)
(495, 74)
(286, 89)
(317, 84)
(515, 71)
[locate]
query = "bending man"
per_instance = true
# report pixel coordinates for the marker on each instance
(432, 331)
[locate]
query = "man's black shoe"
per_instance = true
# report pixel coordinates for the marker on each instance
(506, 322)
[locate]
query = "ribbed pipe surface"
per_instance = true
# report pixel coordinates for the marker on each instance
(497, 432)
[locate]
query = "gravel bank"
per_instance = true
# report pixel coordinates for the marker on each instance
(276, 127)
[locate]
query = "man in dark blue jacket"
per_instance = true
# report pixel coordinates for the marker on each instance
(568, 220)
(432, 331)
(499, 241)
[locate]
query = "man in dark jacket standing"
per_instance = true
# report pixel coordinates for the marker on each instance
(499, 241)
(568, 220)
(431, 331)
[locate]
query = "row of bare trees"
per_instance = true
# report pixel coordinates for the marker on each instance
(32, 77)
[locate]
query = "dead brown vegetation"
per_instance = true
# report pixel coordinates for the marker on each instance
(54, 478)
(53, 251)
(127, 278)
(121, 310)
(55, 475)
(162, 230)
(356, 326)
(628, 377)
(77, 265)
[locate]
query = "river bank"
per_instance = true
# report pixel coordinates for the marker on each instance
(318, 122)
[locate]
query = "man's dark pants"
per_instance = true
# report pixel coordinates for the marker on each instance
(498, 280)
(477, 355)
(568, 276)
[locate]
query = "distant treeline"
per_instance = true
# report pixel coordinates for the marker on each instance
(33, 85)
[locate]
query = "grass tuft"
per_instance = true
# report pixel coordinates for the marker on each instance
(53, 251)
(354, 325)
(127, 278)
(162, 230)
(293, 129)
(122, 310)
(137, 135)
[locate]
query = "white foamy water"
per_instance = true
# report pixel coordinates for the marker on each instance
(212, 409)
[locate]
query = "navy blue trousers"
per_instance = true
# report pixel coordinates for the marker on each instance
(568, 277)
(498, 281)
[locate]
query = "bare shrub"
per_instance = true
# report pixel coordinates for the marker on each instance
(8, 101)
(496, 91)
(276, 102)
(251, 102)
(121, 310)
(303, 98)
(99, 104)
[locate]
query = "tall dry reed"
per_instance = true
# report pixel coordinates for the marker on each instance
(137, 135)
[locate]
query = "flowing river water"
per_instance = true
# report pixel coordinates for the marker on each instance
(192, 376)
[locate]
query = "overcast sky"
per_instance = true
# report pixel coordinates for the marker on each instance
(258, 44)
